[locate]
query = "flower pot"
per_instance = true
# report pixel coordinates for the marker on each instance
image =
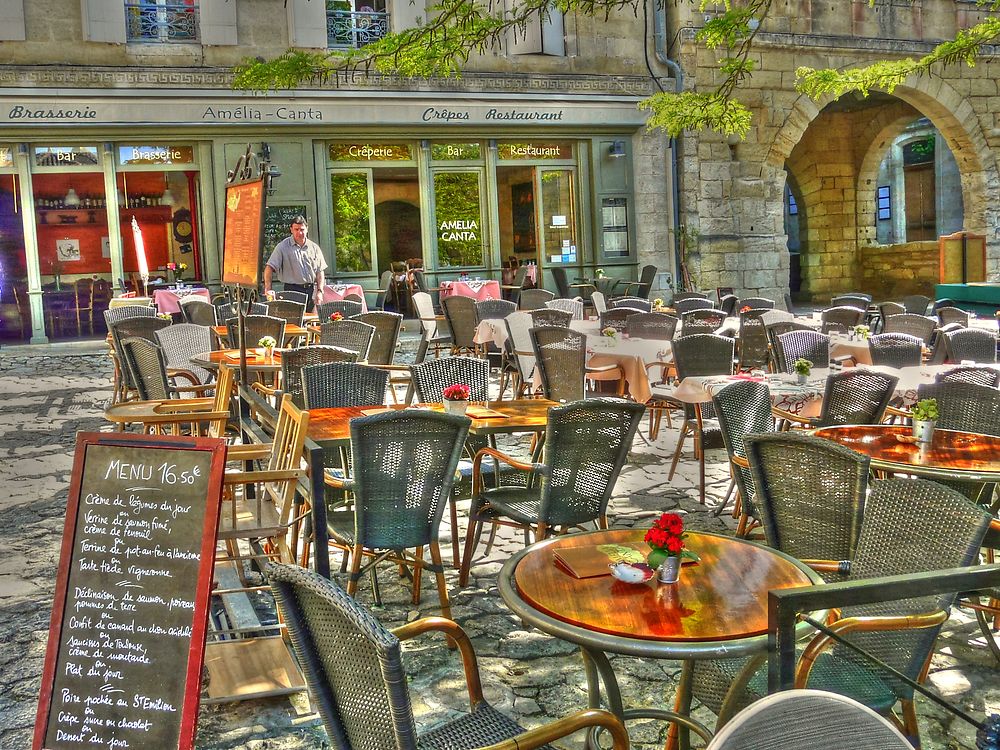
(268, 353)
(455, 407)
(669, 570)
(923, 430)
(801, 379)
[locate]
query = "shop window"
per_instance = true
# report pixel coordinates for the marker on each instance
(160, 21)
(352, 221)
(352, 24)
(614, 227)
(458, 218)
(15, 314)
(883, 203)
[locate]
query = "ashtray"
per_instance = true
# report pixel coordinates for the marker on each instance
(631, 572)
(907, 439)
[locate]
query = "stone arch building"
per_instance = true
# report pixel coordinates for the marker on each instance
(733, 194)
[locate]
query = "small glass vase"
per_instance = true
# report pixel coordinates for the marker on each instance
(268, 353)
(455, 407)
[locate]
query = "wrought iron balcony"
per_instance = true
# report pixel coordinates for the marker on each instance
(354, 29)
(161, 22)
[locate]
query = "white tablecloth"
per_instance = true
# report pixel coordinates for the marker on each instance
(337, 292)
(785, 392)
(477, 290)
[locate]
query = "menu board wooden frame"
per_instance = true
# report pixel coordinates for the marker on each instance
(244, 230)
(961, 258)
(188, 714)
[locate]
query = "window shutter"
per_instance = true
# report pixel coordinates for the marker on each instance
(218, 22)
(537, 36)
(407, 14)
(307, 23)
(12, 20)
(104, 21)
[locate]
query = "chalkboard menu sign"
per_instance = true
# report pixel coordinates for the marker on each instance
(241, 242)
(127, 635)
(277, 224)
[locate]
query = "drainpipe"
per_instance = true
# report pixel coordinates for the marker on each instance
(660, 44)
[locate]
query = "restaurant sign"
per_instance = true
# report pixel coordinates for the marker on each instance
(66, 156)
(526, 151)
(163, 154)
(370, 152)
(456, 151)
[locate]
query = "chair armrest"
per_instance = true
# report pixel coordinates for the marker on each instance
(180, 372)
(740, 461)
(829, 566)
(457, 636)
(788, 416)
(185, 405)
(892, 411)
(270, 475)
(565, 726)
(264, 389)
(477, 479)
(248, 452)
(338, 483)
(862, 624)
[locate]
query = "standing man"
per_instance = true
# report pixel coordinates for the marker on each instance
(299, 264)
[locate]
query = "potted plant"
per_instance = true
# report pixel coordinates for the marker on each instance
(862, 332)
(267, 343)
(609, 334)
(803, 368)
(456, 398)
(599, 273)
(924, 414)
(657, 303)
(666, 540)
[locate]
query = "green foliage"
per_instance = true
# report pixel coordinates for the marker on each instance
(802, 366)
(925, 410)
(351, 227)
(458, 219)
(690, 110)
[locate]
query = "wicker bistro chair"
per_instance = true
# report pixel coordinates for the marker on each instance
(701, 354)
(972, 344)
(728, 304)
(617, 317)
(703, 321)
(561, 358)
(382, 348)
(773, 330)
(586, 444)
(293, 361)
(794, 719)
(692, 303)
(113, 315)
(433, 332)
(346, 307)
(950, 314)
(895, 539)
(198, 311)
(287, 294)
(256, 327)
(226, 310)
(599, 302)
(646, 278)
(651, 326)
(802, 344)
(129, 327)
(743, 408)
(147, 370)
(562, 282)
(887, 310)
(352, 335)
(973, 374)
(291, 312)
(913, 325)
(342, 383)
(843, 317)
(853, 396)
(895, 349)
(757, 303)
(518, 361)
(546, 317)
(916, 303)
(636, 303)
(403, 469)
(182, 341)
(355, 672)
(494, 309)
(460, 313)
(678, 296)
(754, 353)
(533, 299)
(860, 301)
(573, 306)
(516, 286)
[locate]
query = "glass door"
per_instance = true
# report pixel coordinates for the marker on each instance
(557, 214)
(458, 218)
(353, 219)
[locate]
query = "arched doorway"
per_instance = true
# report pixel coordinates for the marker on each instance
(397, 229)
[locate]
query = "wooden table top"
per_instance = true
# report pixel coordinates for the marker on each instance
(333, 426)
(255, 362)
(722, 597)
(952, 454)
(290, 330)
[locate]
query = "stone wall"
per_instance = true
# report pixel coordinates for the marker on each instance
(888, 272)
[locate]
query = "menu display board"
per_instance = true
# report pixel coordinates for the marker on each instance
(127, 634)
(962, 258)
(278, 223)
(244, 223)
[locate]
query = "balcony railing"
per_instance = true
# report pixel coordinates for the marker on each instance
(161, 22)
(354, 29)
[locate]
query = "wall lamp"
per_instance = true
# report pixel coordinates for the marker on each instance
(272, 172)
(733, 140)
(617, 149)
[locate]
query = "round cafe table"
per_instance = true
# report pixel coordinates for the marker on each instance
(954, 455)
(717, 610)
(256, 362)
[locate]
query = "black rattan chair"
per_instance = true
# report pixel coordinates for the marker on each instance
(701, 321)
(288, 310)
(533, 299)
(494, 309)
(198, 311)
(678, 296)
(545, 317)
(586, 444)
(342, 383)
(757, 303)
(430, 378)
(573, 306)
(358, 684)
(287, 294)
(636, 303)
(688, 304)
(913, 325)
(842, 318)
(887, 310)
(646, 278)
(135, 325)
(352, 335)
(854, 396)
(754, 352)
(651, 326)
(895, 349)
(773, 330)
(950, 314)
(973, 374)
(182, 341)
(460, 312)
(561, 357)
(617, 317)
(147, 370)
(113, 315)
(860, 301)
(916, 303)
(811, 345)
(293, 361)
(728, 304)
(972, 344)
(403, 466)
(255, 328)
(226, 310)
(346, 307)
(382, 348)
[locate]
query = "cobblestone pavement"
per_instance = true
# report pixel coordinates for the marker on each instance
(50, 393)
